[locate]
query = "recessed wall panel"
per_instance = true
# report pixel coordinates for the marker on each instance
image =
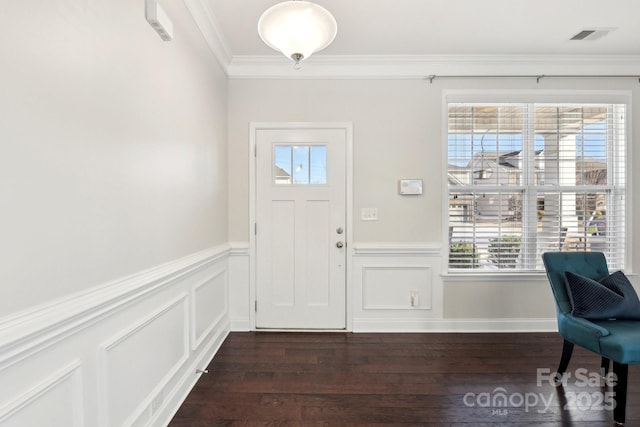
(56, 401)
(141, 359)
(210, 305)
(393, 287)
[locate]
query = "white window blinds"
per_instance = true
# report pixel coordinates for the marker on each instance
(528, 178)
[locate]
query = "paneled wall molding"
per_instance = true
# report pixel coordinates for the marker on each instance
(201, 332)
(239, 249)
(396, 286)
(30, 331)
(407, 279)
(130, 349)
(70, 373)
(191, 374)
(397, 248)
(239, 293)
(113, 361)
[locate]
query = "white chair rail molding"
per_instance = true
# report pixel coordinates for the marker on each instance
(123, 354)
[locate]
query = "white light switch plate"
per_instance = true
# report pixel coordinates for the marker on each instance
(369, 214)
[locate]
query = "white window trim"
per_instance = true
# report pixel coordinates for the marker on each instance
(537, 96)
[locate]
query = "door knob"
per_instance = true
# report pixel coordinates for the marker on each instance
(339, 244)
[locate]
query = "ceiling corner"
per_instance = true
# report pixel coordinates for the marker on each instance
(421, 66)
(208, 25)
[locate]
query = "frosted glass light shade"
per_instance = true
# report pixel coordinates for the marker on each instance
(297, 28)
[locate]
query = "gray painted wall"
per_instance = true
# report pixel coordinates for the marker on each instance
(113, 146)
(398, 133)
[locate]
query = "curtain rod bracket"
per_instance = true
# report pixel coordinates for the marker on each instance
(431, 77)
(540, 77)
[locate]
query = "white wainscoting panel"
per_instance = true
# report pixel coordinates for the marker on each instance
(396, 287)
(130, 384)
(59, 396)
(136, 345)
(209, 306)
(240, 297)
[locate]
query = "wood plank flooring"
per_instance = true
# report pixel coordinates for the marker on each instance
(432, 380)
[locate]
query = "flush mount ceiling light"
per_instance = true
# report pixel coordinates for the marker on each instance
(297, 28)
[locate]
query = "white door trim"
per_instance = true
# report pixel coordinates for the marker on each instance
(254, 127)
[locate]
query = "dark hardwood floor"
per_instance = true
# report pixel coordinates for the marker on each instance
(343, 379)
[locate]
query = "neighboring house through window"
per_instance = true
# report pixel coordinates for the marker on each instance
(530, 177)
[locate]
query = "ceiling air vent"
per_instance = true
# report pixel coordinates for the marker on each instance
(593, 34)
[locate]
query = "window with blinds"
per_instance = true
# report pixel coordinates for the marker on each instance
(524, 179)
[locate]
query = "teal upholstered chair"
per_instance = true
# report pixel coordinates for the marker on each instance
(615, 340)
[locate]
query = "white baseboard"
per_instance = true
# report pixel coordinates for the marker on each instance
(457, 325)
(241, 325)
(437, 326)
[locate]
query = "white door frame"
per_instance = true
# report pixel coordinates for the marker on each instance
(254, 127)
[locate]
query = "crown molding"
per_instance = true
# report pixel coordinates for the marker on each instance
(208, 25)
(422, 66)
(400, 66)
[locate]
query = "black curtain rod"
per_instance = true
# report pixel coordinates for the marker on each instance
(538, 77)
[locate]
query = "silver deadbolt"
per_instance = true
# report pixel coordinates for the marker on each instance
(339, 244)
(339, 230)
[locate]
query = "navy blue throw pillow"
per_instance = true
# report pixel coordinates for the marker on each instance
(630, 307)
(609, 298)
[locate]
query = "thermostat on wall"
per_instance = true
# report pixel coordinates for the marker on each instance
(410, 186)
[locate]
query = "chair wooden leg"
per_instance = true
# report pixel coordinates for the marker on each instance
(620, 389)
(567, 350)
(604, 366)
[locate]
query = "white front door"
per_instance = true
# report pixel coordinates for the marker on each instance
(301, 228)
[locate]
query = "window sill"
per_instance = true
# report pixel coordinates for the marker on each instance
(493, 277)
